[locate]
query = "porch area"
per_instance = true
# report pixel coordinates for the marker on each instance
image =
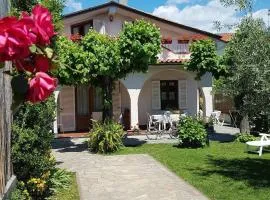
(162, 88)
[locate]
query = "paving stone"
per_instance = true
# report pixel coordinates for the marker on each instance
(121, 177)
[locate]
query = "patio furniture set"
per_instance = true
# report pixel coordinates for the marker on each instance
(160, 124)
(166, 123)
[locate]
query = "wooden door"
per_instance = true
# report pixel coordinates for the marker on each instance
(84, 107)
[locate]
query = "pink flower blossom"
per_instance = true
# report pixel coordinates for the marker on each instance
(15, 39)
(42, 63)
(41, 87)
(44, 28)
(33, 64)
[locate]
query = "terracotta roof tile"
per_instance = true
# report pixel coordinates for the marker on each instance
(226, 37)
(166, 61)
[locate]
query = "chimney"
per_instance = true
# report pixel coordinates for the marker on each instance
(123, 2)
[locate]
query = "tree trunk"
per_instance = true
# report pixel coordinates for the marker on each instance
(107, 98)
(244, 125)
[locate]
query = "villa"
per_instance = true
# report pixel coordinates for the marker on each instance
(166, 85)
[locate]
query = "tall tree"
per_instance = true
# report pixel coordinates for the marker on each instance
(204, 59)
(56, 7)
(242, 5)
(100, 60)
(248, 62)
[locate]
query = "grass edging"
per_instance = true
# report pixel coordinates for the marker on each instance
(70, 193)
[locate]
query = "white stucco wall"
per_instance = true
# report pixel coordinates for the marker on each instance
(145, 98)
(113, 27)
(125, 99)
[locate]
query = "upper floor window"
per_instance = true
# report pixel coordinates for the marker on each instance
(176, 46)
(183, 46)
(166, 41)
(82, 28)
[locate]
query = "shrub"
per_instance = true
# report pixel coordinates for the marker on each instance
(191, 132)
(105, 137)
(29, 160)
(59, 179)
(31, 146)
(37, 187)
(31, 140)
(244, 137)
(20, 192)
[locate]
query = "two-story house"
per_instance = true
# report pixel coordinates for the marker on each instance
(166, 85)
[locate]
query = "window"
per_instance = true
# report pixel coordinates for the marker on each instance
(83, 99)
(183, 46)
(166, 41)
(98, 100)
(169, 95)
(82, 28)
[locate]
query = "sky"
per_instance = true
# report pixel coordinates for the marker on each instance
(196, 13)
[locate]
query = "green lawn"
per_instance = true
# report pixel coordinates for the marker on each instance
(70, 193)
(221, 171)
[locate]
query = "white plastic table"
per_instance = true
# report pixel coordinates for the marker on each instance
(161, 119)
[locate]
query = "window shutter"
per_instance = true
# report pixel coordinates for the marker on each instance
(182, 92)
(156, 104)
(67, 106)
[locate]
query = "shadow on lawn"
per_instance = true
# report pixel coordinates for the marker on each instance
(67, 145)
(133, 142)
(254, 171)
(221, 137)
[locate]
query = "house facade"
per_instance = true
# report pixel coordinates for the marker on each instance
(166, 85)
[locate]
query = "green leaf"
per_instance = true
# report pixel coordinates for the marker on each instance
(18, 99)
(2, 65)
(39, 51)
(19, 85)
(33, 48)
(49, 52)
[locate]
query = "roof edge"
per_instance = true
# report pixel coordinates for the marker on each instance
(113, 3)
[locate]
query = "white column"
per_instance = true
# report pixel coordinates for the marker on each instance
(134, 97)
(55, 124)
(208, 98)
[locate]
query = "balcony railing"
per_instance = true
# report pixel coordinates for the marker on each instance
(178, 48)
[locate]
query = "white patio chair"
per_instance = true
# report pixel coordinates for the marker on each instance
(152, 126)
(171, 120)
(263, 142)
(216, 116)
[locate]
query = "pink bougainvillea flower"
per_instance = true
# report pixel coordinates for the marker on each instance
(41, 87)
(14, 39)
(44, 28)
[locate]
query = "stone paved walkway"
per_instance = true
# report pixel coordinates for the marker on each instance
(123, 177)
